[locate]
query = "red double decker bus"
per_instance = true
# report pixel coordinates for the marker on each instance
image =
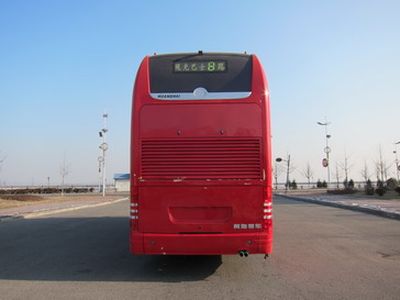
(201, 156)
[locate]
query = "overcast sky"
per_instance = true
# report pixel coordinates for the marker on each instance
(63, 62)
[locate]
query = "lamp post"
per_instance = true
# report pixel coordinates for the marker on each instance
(327, 149)
(103, 147)
(276, 176)
(396, 161)
(279, 159)
(100, 161)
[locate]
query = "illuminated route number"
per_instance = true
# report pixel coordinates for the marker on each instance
(211, 66)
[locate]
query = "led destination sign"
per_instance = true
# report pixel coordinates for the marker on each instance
(210, 66)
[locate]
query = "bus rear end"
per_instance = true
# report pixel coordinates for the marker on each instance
(200, 156)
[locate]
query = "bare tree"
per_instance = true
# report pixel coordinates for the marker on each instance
(289, 169)
(2, 159)
(308, 173)
(346, 166)
(64, 171)
(381, 167)
(365, 172)
(337, 175)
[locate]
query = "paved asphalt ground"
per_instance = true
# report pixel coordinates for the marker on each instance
(320, 253)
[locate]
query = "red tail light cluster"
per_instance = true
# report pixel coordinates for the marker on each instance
(134, 214)
(267, 212)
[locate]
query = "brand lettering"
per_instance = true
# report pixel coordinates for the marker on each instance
(168, 96)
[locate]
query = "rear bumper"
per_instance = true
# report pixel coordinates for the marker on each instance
(200, 244)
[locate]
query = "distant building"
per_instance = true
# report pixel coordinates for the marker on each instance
(122, 182)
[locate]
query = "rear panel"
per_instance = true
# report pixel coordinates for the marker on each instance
(200, 162)
(201, 141)
(200, 209)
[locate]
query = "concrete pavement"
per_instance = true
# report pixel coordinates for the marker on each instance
(388, 208)
(69, 203)
(319, 253)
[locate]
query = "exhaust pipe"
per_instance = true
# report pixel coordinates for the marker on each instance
(241, 253)
(244, 253)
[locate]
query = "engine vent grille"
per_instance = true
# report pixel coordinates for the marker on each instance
(201, 159)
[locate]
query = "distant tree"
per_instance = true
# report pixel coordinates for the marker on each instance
(369, 189)
(345, 183)
(397, 190)
(337, 175)
(308, 173)
(2, 159)
(346, 166)
(350, 184)
(391, 183)
(319, 184)
(64, 171)
(293, 185)
(365, 172)
(368, 183)
(381, 167)
(289, 171)
(289, 168)
(324, 184)
(380, 188)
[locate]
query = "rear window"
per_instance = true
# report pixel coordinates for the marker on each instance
(183, 73)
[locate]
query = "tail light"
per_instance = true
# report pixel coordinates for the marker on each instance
(134, 214)
(267, 213)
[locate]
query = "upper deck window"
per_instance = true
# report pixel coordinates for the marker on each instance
(213, 73)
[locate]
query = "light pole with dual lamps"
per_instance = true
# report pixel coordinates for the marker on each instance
(102, 159)
(327, 149)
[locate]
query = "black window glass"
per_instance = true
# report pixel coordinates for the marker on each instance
(233, 75)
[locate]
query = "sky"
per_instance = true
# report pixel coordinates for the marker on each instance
(63, 63)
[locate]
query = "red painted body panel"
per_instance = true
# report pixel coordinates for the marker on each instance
(191, 120)
(212, 209)
(224, 203)
(201, 244)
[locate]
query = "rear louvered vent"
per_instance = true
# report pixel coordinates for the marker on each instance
(201, 159)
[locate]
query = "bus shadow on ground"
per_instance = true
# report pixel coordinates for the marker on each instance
(88, 249)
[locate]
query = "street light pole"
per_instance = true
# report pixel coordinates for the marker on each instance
(287, 170)
(396, 160)
(327, 149)
(103, 147)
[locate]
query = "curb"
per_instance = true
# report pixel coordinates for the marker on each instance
(372, 211)
(10, 218)
(55, 211)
